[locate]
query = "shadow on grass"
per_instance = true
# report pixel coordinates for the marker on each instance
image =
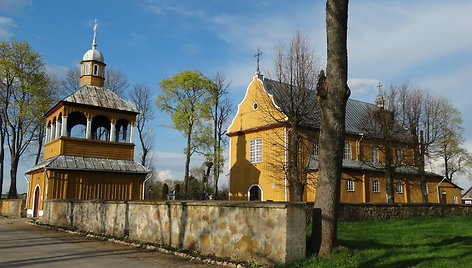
(370, 253)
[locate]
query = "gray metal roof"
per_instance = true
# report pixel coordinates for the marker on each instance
(99, 97)
(371, 166)
(80, 163)
(357, 120)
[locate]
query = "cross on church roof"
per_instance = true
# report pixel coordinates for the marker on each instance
(258, 56)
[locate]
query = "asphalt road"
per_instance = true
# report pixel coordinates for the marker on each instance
(25, 245)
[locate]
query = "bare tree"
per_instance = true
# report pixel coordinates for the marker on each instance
(333, 94)
(296, 69)
(141, 97)
(380, 123)
(422, 115)
(220, 109)
(115, 81)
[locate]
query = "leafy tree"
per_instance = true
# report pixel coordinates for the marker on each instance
(184, 97)
(25, 97)
(115, 81)
(333, 94)
(450, 147)
(140, 96)
(380, 123)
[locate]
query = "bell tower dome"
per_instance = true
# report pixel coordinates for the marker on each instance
(92, 70)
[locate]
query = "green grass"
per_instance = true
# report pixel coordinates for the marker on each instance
(417, 242)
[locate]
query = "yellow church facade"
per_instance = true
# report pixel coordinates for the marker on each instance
(258, 153)
(89, 146)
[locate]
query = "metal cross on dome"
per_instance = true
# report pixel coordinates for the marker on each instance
(258, 56)
(94, 44)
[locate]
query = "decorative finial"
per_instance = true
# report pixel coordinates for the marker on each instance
(258, 56)
(380, 99)
(94, 44)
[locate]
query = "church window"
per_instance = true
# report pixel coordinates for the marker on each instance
(316, 148)
(82, 70)
(455, 200)
(255, 150)
(350, 185)
(399, 187)
(87, 69)
(375, 154)
(95, 69)
(375, 186)
(347, 150)
(399, 155)
(255, 105)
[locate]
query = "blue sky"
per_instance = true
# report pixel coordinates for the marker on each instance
(426, 42)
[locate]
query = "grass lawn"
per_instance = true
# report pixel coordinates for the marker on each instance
(417, 242)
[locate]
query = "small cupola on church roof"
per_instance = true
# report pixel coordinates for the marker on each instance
(92, 71)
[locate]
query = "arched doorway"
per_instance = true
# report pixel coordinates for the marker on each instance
(36, 201)
(255, 193)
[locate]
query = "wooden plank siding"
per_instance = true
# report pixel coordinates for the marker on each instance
(89, 148)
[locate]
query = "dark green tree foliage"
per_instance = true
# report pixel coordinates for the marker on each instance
(25, 95)
(184, 97)
(165, 191)
(178, 191)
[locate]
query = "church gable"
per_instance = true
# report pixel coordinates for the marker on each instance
(256, 110)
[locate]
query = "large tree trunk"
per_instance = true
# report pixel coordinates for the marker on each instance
(12, 193)
(333, 93)
(187, 164)
(294, 172)
(2, 158)
(41, 131)
(389, 169)
(421, 171)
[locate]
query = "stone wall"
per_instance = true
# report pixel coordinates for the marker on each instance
(268, 232)
(385, 211)
(15, 208)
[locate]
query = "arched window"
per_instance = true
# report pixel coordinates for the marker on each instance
(82, 70)
(87, 69)
(122, 131)
(77, 125)
(101, 128)
(95, 69)
(255, 193)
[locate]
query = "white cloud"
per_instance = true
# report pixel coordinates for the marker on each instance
(361, 86)
(5, 25)
(163, 175)
(395, 38)
(56, 71)
(14, 5)
(166, 7)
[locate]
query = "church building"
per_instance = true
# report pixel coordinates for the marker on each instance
(259, 154)
(89, 147)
